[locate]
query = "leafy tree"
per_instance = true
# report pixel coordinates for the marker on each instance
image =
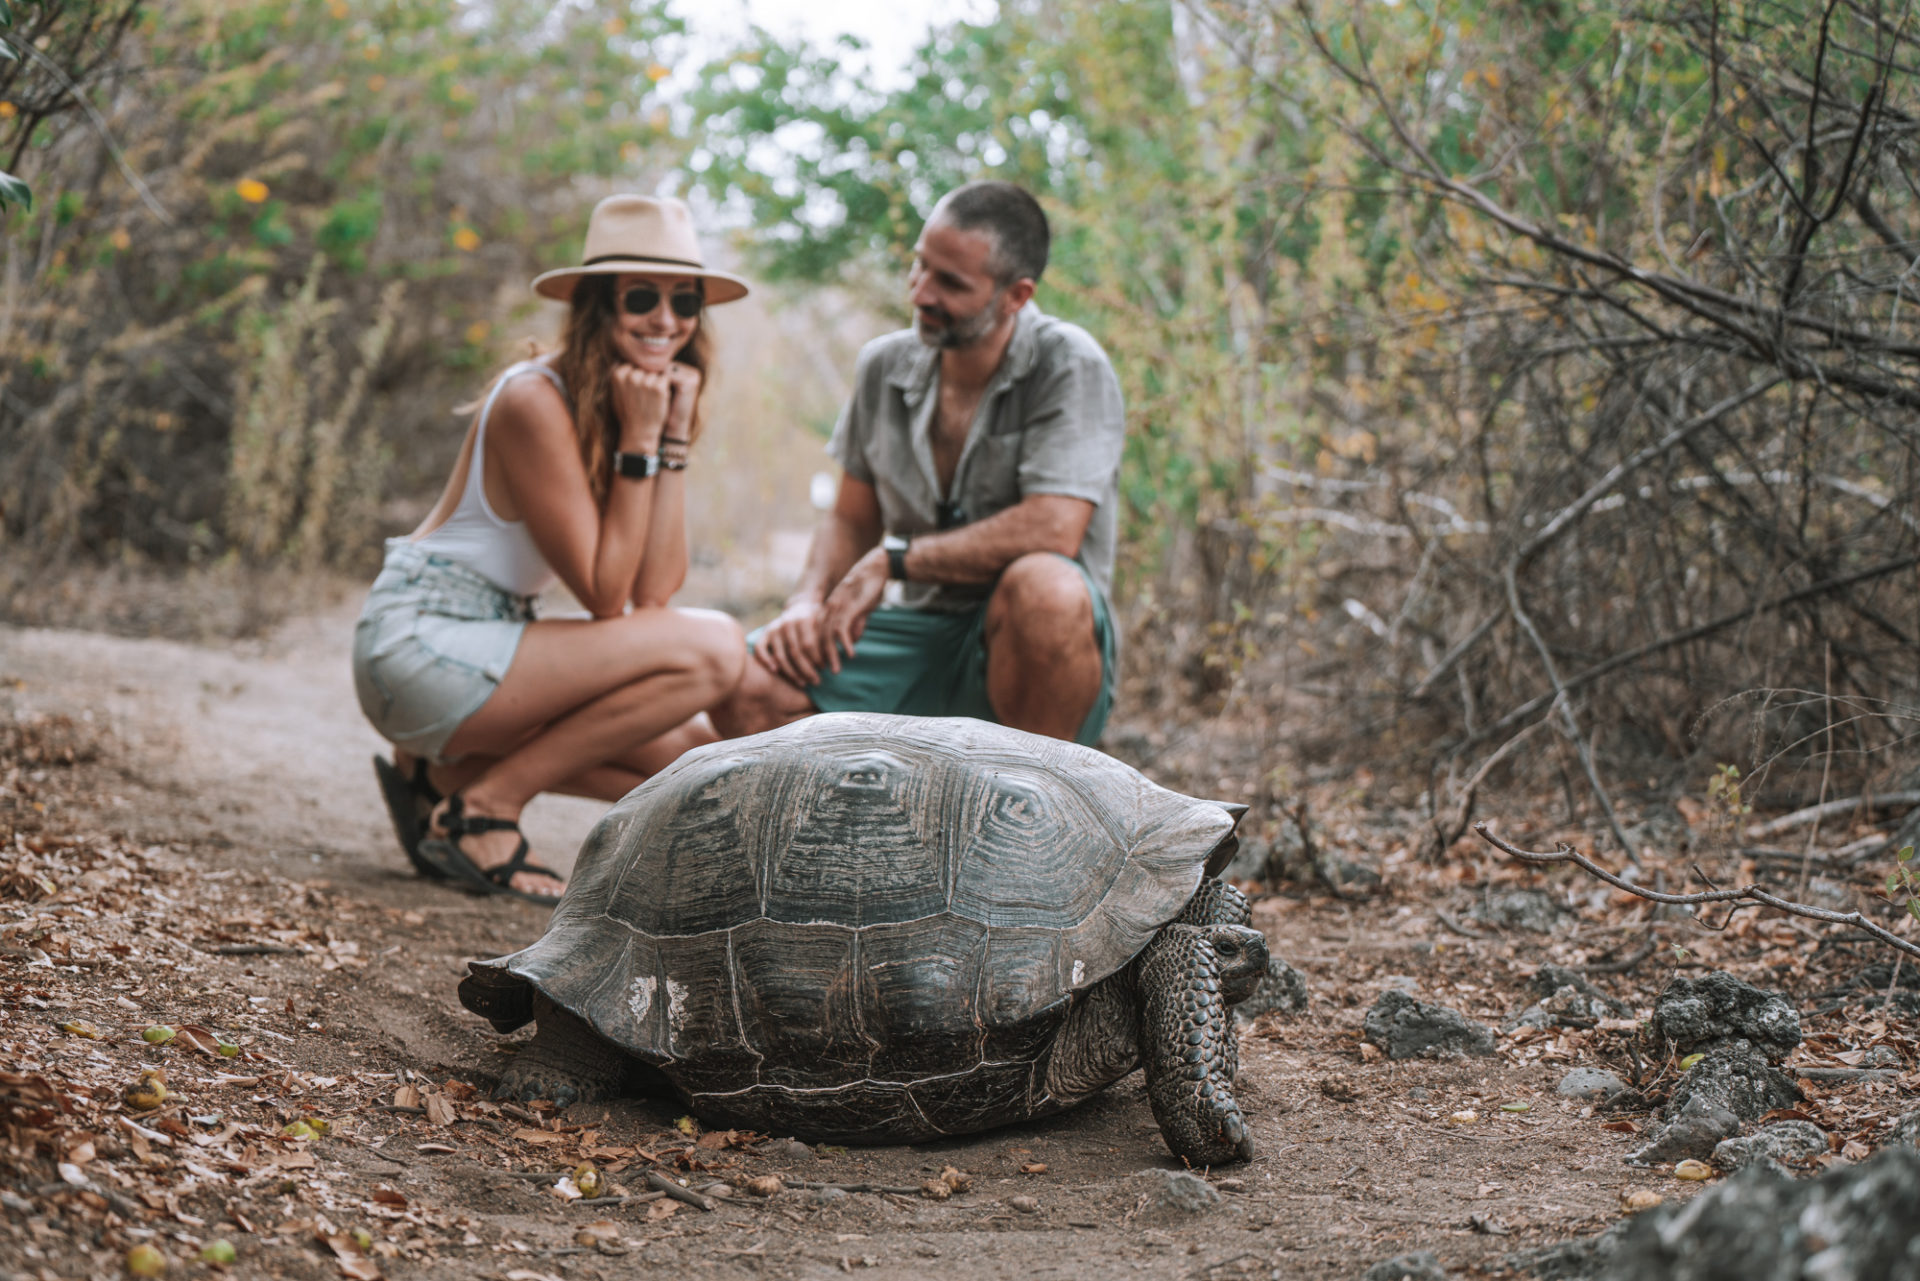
(228, 344)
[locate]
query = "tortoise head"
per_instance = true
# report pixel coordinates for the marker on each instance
(1241, 953)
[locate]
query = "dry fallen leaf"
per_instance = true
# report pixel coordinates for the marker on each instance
(440, 1110)
(764, 1185)
(1692, 1170)
(664, 1208)
(1468, 1117)
(1639, 1199)
(957, 1180)
(1621, 1127)
(935, 1190)
(538, 1136)
(407, 1096)
(1034, 1167)
(600, 1231)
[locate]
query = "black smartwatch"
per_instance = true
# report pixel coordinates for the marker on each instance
(635, 466)
(897, 560)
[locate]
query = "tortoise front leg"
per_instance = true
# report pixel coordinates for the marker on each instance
(1186, 1037)
(566, 1061)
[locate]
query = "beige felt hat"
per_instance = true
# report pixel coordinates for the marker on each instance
(640, 233)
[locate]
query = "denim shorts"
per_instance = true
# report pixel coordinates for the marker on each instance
(431, 646)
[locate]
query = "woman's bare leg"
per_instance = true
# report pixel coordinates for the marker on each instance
(607, 782)
(585, 701)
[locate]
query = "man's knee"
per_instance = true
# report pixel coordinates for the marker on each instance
(1041, 599)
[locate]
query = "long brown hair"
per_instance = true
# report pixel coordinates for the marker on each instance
(585, 364)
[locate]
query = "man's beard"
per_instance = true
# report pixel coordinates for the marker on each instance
(947, 331)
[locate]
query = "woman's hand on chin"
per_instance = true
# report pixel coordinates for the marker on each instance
(686, 390)
(640, 401)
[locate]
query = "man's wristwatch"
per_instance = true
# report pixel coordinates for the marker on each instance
(897, 560)
(635, 466)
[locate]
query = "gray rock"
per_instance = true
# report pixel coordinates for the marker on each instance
(1419, 1094)
(1346, 877)
(1422, 1265)
(1698, 1014)
(1735, 1077)
(789, 1150)
(1282, 991)
(1173, 1194)
(1250, 862)
(1548, 980)
(828, 1196)
(1570, 1005)
(1789, 1142)
(1533, 910)
(1406, 1028)
(1589, 1083)
(1577, 1260)
(1883, 1056)
(1693, 1131)
(1906, 1130)
(1853, 1223)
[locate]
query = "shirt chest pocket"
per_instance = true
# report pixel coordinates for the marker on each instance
(992, 482)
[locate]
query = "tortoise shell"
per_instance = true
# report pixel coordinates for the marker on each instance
(861, 926)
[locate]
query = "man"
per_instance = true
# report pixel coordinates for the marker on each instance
(984, 445)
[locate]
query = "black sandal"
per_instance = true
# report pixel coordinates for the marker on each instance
(410, 803)
(446, 851)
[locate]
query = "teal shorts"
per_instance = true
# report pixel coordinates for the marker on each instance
(914, 662)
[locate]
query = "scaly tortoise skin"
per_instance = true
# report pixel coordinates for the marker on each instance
(879, 929)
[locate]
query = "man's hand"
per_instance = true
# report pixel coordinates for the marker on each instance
(844, 617)
(790, 646)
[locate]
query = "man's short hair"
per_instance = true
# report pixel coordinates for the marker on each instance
(1011, 216)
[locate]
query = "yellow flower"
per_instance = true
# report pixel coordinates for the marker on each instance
(630, 151)
(459, 93)
(376, 83)
(657, 73)
(615, 26)
(337, 9)
(466, 240)
(477, 332)
(8, 111)
(120, 239)
(251, 190)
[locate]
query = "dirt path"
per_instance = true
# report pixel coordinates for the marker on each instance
(250, 763)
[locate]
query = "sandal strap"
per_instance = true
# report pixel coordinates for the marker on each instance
(459, 823)
(503, 873)
(421, 784)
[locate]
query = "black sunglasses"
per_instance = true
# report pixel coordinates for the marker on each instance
(640, 300)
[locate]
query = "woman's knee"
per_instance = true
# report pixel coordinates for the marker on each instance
(719, 648)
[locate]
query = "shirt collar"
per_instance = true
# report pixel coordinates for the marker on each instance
(916, 373)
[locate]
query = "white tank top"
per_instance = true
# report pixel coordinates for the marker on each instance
(473, 535)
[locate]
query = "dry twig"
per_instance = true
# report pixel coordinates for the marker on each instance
(1745, 895)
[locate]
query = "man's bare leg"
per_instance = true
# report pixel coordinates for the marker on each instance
(1043, 658)
(763, 700)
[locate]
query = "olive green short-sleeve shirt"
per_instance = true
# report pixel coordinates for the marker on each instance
(1051, 422)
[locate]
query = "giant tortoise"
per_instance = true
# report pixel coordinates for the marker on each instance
(874, 929)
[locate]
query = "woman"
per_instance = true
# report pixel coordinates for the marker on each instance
(575, 466)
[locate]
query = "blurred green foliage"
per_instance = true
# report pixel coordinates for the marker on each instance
(301, 156)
